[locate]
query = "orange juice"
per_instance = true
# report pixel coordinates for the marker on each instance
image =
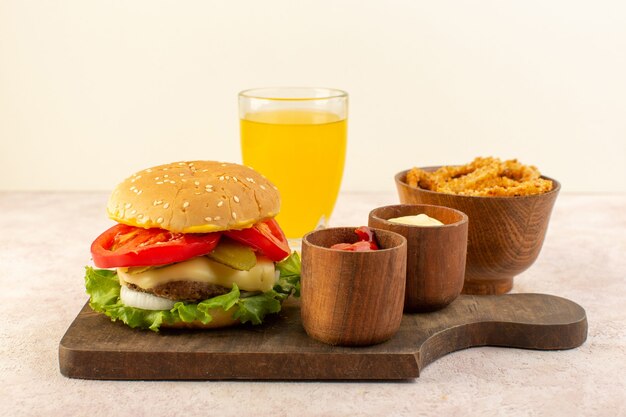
(302, 152)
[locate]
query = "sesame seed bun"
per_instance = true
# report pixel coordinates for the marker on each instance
(194, 197)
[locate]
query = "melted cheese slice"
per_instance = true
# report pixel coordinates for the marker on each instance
(261, 277)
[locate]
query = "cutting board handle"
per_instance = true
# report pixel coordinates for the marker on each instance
(527, 321)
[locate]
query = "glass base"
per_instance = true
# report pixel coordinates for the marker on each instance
(295, 244)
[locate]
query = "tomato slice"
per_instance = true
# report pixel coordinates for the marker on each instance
(124, 245)
(366, 241)
(267, 237)
(360, 246)
(366, 234)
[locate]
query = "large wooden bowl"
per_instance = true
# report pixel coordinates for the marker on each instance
(505, 234)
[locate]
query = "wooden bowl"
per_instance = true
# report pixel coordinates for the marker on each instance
(505, 233)
(435, 255)
(352, 298)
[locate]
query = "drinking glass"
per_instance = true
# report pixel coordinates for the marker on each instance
(296, 137)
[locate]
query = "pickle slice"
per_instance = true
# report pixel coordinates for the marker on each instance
(233, 254)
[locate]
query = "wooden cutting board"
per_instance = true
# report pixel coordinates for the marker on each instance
(96, 348)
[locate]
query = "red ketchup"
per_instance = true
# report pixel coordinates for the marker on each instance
(366, 242)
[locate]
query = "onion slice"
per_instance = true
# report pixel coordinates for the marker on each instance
(143, 300)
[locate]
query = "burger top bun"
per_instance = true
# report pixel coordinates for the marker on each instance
(194, 197)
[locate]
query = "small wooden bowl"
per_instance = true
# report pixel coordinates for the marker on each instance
(435, 255)
(505, 233)
(352, 298)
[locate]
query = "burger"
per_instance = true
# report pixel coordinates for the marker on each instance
(196, 245)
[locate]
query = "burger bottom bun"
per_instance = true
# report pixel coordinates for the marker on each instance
(221, 318)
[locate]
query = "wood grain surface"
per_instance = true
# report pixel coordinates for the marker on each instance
(435, 256)
(352, 298)
(96, 348)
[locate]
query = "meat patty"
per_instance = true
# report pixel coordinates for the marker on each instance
(191, 291)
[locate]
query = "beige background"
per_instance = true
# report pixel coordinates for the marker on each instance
(91, 91)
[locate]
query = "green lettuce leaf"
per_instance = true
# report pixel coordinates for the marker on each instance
(103, 288)
(254, 308)
(289, 280)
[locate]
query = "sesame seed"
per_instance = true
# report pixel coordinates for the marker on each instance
(133, 211)
(208, 219)
(149, 170)
(140, 216)
(160, 182)
(222, 178)
(182, 174)
(220, 204)
(234, 215)
(127, 205)
(191, 164)
(196, 182)
(166, 205)
(205, 170)
(227, 177)
(262, 187)
(235, 179)
(223, 165)
(165, 176)
(133, 188)
(139, 192)
(208, 190)
(236, 199)
(274, 187)
(157, 202)
(186, 204)
(157, 178)
(159, 220)
(217, 218)
(208, 186)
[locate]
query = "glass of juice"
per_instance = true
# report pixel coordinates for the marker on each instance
(296, 137)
